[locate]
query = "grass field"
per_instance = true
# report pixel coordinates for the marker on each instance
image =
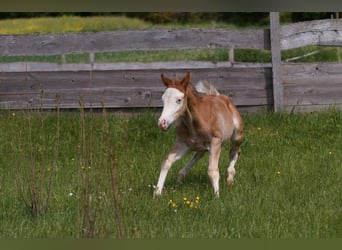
(77, 174)
(94, 24)
(91, 174)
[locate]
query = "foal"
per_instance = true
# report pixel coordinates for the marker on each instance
(203, 123)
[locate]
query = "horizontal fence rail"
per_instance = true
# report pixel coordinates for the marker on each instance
(305, 86)
(249, 87)
(312, 86)
(326, 32)
(71, 43)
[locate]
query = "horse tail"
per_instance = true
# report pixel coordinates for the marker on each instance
(206, 88)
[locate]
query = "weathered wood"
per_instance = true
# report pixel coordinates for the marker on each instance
(130, 88)
(318, 85)
(319, 32)
(70, 43)
(298, 87)
(311, 108)
(276, 61)
(313, 94)
(132, 77)
(294, 73)
(333, 43)
(311, 87)
(54, 67)
(231, 56)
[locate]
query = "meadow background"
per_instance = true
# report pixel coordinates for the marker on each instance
(69, 23)
(91, 173)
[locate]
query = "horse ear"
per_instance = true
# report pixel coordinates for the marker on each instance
(186, 80)
(165, 80)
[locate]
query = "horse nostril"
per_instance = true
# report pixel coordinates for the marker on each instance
(163, 124)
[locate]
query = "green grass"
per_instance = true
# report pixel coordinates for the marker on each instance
(69, 24)
(287, 184)
(327, 54)
(93, 24)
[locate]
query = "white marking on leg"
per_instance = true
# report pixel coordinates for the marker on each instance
(236, 122)
(179, 150)
(231, 168)
(214, 179)
(237, 139)
(213, 170)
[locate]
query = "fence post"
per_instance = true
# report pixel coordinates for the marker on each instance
(231, 54)
(276, 61)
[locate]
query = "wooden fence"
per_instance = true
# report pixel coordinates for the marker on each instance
(253, 86)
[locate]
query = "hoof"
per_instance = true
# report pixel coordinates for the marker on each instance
(156, 193)
(230, 181)
(180, 179)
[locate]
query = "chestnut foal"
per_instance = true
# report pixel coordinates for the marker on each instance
(203, 123)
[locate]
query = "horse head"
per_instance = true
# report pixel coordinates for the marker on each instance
(174, 100)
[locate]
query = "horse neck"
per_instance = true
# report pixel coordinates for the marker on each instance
(191, 111)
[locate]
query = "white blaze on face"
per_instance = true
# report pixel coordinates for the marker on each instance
(173, 102)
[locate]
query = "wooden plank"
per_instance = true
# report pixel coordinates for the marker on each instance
(308, 73)
(335, 42)
(112, 98)
(116, 98)
(312, 86)
(51, 67)
(276, 62)
(126, 89)
(55, 67)
(37, 82)
(319, 32)
(322, 67)
(311, 108)
(255, 109)
(220, 77)
(314, 94)
(163, 39)
(323, 32)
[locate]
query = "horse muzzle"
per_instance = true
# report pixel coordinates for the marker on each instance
(163, 125)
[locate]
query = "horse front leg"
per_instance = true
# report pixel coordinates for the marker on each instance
(178, 151)
(213, 170)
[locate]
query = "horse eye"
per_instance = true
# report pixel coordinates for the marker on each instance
(179, 100)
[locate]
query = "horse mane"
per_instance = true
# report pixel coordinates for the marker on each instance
(202, 88)
(205, 87)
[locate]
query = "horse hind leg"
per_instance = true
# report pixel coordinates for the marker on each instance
(237, 140)
(213, 170)
(234, 155)
(183, 172)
